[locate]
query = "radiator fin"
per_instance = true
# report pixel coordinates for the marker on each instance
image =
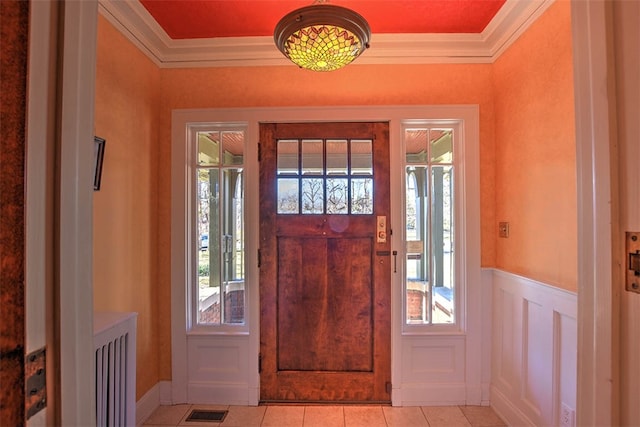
(115, 358)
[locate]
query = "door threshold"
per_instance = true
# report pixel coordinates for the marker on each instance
(324, 402)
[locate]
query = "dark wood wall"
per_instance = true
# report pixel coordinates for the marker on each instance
(14, 30)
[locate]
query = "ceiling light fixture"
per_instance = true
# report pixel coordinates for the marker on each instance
(322, 37)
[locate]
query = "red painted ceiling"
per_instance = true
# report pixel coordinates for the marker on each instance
(187, 19)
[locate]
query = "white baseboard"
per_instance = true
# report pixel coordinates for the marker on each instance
(152, 399)
(166, 397)
(503, 406)
(443, 394)
(486, 394)
(147, 404)
(221, 393)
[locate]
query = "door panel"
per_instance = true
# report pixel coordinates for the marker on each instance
(314, 307)
(324, 278)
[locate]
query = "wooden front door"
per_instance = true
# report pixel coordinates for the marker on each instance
(325, 262)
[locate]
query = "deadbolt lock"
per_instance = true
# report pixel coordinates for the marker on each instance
(381, 229)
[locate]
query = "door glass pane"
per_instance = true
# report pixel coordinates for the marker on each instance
(417, 246)
(441, 145)
(288, 196)
(232, 147)
(337, 196)
(337, 157)
(287, 157)
(415, 141)
(312, 195)
(218, 261)
(442, 239)
(312, 157)
(362, 196)
(208, 148)
(429, 221)
(361, 157)
(232, 247)
(208, 271)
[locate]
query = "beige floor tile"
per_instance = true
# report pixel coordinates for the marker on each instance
(283, 416)
(482, 416)
(184, 422)
(244, 416)
(409, 416)
(364, 416)
(445, 416)
(168, 415)
(323, 416)
(331, 416)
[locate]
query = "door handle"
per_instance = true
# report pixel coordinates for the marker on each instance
(395, 261)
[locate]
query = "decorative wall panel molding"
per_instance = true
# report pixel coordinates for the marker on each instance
(534, 351)
(227, 380)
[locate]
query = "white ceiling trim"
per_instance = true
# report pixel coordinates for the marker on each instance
(135, 22)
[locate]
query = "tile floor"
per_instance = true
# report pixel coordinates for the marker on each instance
(332, 415)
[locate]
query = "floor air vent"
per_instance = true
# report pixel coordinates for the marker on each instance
(207, 415)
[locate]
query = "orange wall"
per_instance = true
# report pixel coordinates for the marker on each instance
(527, 156)
(535, 164)
(353, 85)
(125, 221)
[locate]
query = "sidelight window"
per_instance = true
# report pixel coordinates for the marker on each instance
(325, 176)
(219, 287)
(430, 287)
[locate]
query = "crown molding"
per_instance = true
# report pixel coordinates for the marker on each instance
(135, 23)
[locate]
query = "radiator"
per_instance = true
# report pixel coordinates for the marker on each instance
(114, 338)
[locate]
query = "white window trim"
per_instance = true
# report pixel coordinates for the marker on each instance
(193, 327)
(460, 278)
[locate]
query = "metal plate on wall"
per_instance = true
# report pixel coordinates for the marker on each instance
(35, 382)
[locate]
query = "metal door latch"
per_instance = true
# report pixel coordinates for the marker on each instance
(633, 271)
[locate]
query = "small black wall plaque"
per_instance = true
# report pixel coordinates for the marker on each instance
(98, 157)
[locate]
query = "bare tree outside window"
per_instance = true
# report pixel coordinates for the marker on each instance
(337, 196)
(312, 195)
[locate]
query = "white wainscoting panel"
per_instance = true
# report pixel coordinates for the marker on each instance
(433, 370)
(534, 343)
(486, 341)
(218, 369)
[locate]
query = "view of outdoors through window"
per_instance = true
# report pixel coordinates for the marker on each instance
(318, 176)
(332, 176)
(429, 210)
(220, 227)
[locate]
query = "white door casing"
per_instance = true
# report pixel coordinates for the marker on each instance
(237, 382)
(61, 242)
(596, 382)
(626, 26)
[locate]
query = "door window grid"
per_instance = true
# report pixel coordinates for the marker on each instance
(219, 287)
(325, 176)
(430, 291)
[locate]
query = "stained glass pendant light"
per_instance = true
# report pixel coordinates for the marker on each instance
(322, 37)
